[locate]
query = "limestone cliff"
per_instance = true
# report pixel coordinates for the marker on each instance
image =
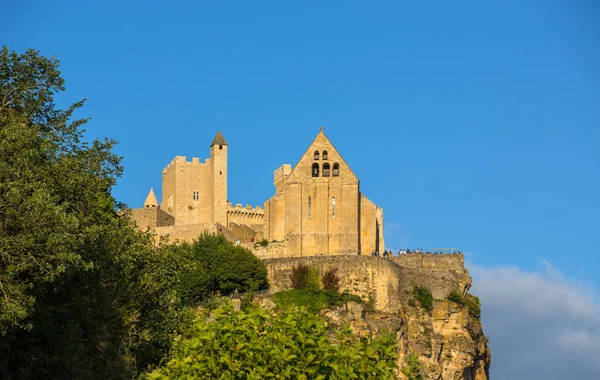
(449, 342)
(448, 338)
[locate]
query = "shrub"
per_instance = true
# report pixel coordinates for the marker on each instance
(412, 369)
(314, 300)
(263, 242)
(293, 344)
(423, 295)
(313, 281)
(330, 280)
(470, 301)
(299, 276)
(456, 297)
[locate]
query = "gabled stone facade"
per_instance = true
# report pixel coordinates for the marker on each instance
(317, 209)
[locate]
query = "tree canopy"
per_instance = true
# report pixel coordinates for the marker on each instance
(294, 344)
(83, 293)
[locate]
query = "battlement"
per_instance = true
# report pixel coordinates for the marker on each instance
(248, 209)
(182, 160)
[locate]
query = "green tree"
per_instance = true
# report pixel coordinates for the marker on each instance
(258, 345)
(412, 368)
(82, 292)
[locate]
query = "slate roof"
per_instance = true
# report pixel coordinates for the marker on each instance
(219, 139)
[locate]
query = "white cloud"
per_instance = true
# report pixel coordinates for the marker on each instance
(541, 325)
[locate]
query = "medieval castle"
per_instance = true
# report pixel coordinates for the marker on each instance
(317, 209)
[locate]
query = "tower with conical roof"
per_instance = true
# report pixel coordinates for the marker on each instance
(151, 200)
(218, 160)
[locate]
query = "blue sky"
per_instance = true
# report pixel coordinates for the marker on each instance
(474, 126)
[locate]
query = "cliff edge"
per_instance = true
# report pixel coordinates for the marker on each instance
(445, 333)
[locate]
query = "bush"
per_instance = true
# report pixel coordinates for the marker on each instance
(412, 369)
(314, 300)
(313, 281)
(263, 243)
(330, 280)
(456, 297)
(423, 295)
(293, 344)
(299, 276)
(470, 301)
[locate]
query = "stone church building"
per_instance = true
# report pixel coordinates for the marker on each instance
(317, 208)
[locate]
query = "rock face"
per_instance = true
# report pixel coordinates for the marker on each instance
(448, 339)
(449, 342)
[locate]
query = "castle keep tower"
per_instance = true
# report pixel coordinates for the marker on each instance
(218, 159)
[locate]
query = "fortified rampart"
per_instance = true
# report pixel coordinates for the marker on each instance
(387, 281)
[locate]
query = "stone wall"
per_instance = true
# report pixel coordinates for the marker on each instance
(150, 217)
(185, 233)
(384, 280)
(274, 250)
(444, 262)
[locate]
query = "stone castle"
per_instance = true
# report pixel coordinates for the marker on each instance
(317, 209)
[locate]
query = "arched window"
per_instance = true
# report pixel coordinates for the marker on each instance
(336, 170)
(324, 154)
(316, 155)
(315, 170)
(326, 170)
(309, 207)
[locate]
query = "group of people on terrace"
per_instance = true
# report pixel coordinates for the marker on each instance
(453, 251)
(387, 253)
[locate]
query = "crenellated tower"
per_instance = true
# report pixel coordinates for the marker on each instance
(218, 160)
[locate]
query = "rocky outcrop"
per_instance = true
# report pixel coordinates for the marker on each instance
(448, 339)
(449, 342)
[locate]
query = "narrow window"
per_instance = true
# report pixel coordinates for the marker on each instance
(220, 147)
(325, 170)
(324, 154)
(316, 155)
(309, 207)
(336, 170)
(315, 170)
(332, 207)
(196, 195)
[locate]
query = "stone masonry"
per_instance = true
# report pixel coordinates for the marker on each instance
(317, 208)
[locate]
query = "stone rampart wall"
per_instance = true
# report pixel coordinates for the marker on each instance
(388, 283)
(186, 233)
(274, 250)
(443, 262)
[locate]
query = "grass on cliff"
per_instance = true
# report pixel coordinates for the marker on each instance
(314, 300)
(470, 301)
(313, 291)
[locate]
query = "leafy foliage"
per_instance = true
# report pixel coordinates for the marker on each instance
(314, 300)
(293, 344)
(66, 308)
(214, 265)
(299, 276)
(83, 294)
(412, 368)
(470, 301)
(313, 280)
(423, 295)
(330, 280)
